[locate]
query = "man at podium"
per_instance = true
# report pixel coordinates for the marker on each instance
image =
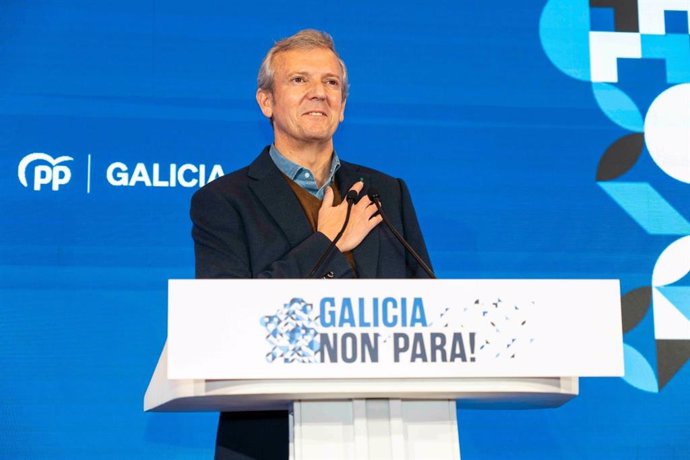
(298, 210)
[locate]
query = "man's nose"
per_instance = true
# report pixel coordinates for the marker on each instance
(317, 90)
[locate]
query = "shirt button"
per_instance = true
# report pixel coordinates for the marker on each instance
(329, 275)
(306, 174)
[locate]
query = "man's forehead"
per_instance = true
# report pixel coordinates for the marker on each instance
(308, 60)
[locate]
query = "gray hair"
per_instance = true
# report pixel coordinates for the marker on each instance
(304, 39)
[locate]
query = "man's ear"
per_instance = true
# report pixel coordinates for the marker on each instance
(265, 100)
(342, 111)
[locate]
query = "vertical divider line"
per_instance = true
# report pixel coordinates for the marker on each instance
(88, 173)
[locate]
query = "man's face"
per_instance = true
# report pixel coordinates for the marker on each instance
(306, 102)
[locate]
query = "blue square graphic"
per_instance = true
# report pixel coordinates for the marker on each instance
(602, 19)
(676, 22)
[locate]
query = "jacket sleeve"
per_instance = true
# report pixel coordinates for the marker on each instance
(227, 246)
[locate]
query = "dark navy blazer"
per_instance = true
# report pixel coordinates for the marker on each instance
(250, 224)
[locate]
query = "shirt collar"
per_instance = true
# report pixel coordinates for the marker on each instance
(301, 175)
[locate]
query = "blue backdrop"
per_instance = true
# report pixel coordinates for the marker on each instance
(525, 155)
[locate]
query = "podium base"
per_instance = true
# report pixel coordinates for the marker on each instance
(374, 429)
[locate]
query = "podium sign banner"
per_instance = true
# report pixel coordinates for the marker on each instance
(292, 329)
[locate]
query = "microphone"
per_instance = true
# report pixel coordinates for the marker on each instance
(374, 196)
(350, 197)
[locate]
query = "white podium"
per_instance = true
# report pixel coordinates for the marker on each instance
(372, 369)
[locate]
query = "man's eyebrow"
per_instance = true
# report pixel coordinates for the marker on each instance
(306, 72)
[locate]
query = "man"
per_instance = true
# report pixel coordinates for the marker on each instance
(277, 217)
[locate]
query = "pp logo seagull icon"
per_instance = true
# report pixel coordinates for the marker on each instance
(52, 173)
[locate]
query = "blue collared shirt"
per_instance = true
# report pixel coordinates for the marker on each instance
(302, 176)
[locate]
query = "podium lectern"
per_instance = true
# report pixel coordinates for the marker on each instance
(372, 369)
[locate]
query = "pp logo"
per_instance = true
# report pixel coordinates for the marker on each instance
(52, 173)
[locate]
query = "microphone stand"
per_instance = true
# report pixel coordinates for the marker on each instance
(376, 199)
(350, 198)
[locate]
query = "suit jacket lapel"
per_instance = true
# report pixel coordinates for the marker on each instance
(276, 195)
(366, 255)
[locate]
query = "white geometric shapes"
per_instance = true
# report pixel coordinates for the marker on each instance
(651, 14)
(605, 48)
(669, 322)
(667, 131)
(672, 265)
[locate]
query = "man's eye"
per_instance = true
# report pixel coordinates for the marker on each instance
(333, 82)
(298, 79)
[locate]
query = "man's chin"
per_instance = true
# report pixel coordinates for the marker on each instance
(319, 135)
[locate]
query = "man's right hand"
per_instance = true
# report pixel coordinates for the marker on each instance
(331, 219)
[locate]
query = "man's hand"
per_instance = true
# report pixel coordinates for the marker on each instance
(331, 219)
